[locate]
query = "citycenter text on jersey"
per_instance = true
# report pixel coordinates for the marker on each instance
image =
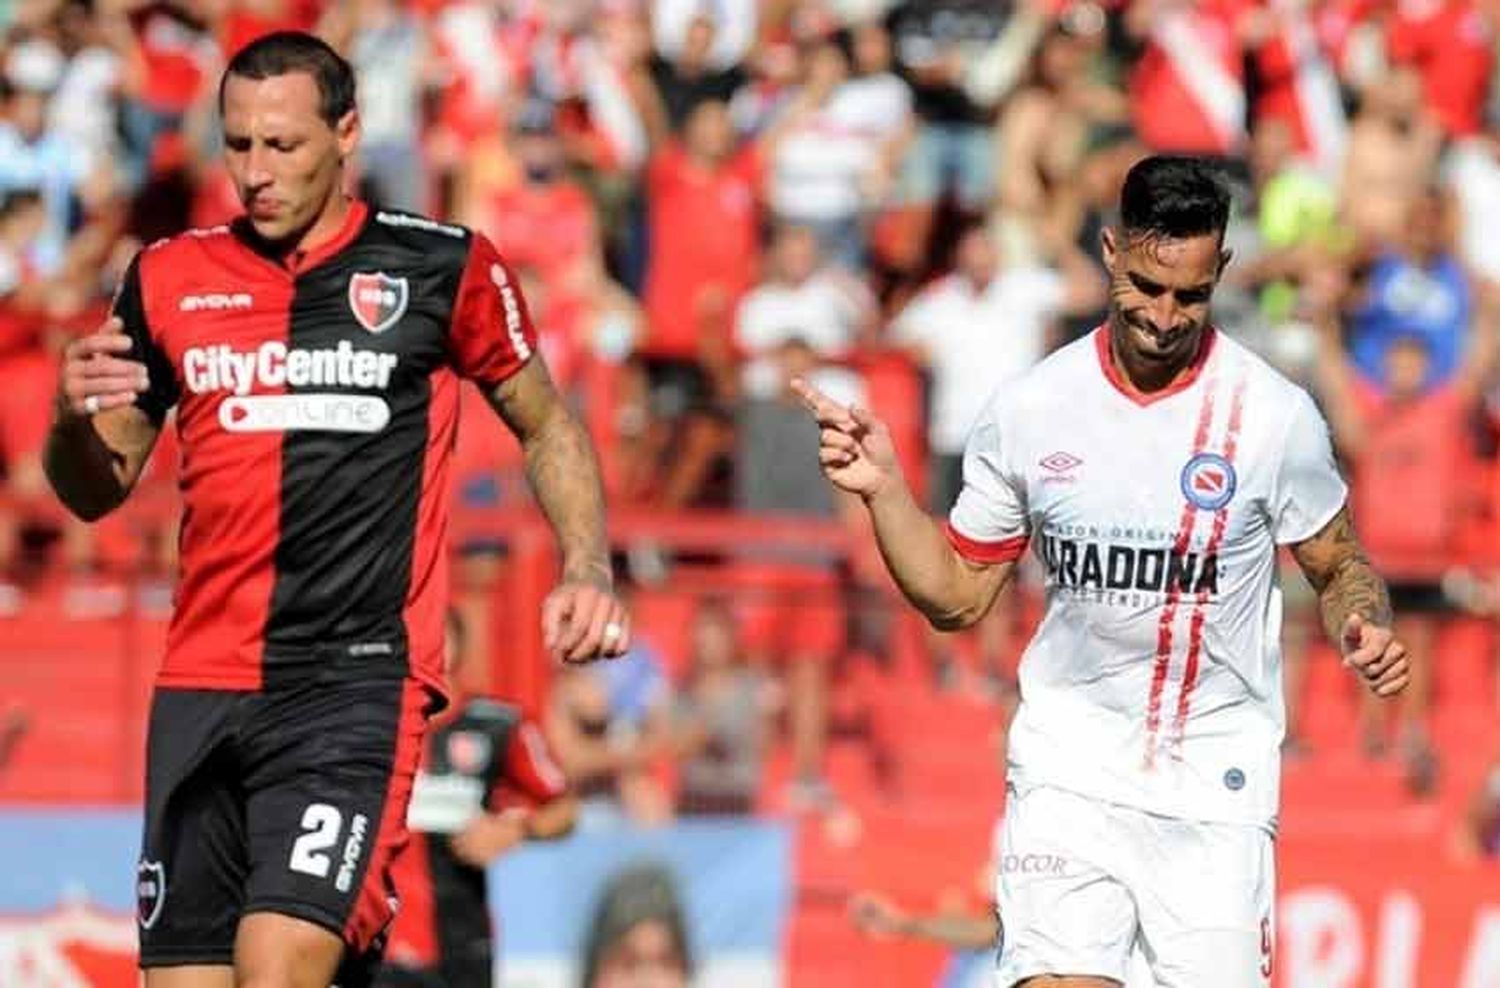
(273, 365)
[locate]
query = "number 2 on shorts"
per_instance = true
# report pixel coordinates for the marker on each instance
(321, 824)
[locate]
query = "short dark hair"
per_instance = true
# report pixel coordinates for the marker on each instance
(282, 52)
(1174, 196)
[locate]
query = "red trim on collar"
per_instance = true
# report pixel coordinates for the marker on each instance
(1144, 398)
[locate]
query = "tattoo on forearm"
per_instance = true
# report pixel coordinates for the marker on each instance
(1345, 581)
(1355, 589)
(564, 475)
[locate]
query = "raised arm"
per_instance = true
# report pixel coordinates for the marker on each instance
(1355, 605)
(857, 455)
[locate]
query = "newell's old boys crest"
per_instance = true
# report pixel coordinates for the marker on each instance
(378, 300)
(1208, 481)
(150, 892)
(468, 751)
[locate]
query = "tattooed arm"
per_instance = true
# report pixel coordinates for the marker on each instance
(1355, 605)
(582, 618)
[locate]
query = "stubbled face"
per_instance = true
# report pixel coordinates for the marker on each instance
(1160, 290)
(287, 163)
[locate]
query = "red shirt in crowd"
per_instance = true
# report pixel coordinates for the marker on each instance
(549, 229)
(1408, 480)
(1452, 45)
(704, 242)
(175, 54)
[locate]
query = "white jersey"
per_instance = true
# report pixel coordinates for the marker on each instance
(1154, 680)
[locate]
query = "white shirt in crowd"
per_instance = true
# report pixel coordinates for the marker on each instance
(976, 339)
(1473, 170)
(83, 108)
(825, 312)
(819, 169)
(390, 61)
(1154, 679)
(734, 27)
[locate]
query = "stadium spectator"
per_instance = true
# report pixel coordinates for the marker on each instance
(1406, 440)
(987, 322)
(1044, 129)
(831, 163)
(802, 299)
(689, 78)
(791, 611)
(721, 721)
(389, 51)
(35, 154)
(1416, 288)
(1451, 44)
(700, 181)
(1393, 148)
(610, 726)
(936, 42)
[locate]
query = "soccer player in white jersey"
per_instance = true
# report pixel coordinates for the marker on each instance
(1153, 467)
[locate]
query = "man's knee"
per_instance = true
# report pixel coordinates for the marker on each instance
(276, 951)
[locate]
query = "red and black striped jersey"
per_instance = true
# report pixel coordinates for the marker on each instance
(484, 756)
(316, 402)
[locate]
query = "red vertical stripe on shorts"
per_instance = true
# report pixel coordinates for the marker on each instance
(427, 593)
(413, 940)
(1169, 608)
(372, 906)
(1215, 539)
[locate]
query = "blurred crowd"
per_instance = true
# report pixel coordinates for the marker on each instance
(705, 198)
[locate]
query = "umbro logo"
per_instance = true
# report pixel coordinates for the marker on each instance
(215, 302)
(1060, 462)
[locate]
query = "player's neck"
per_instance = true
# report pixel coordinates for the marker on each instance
(1147, 377)
(323, 229)
(290, 249)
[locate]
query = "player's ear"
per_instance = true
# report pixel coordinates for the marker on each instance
(1108, 246)
(346, 133)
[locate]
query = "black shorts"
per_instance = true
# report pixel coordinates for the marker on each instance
(291, 802)
(1408, 597)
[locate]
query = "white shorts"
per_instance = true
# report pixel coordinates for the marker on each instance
(1084, 884)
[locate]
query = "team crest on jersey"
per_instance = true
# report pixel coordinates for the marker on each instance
(377, 299)
(1208, 481)
(468, 751)
(150, 892)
